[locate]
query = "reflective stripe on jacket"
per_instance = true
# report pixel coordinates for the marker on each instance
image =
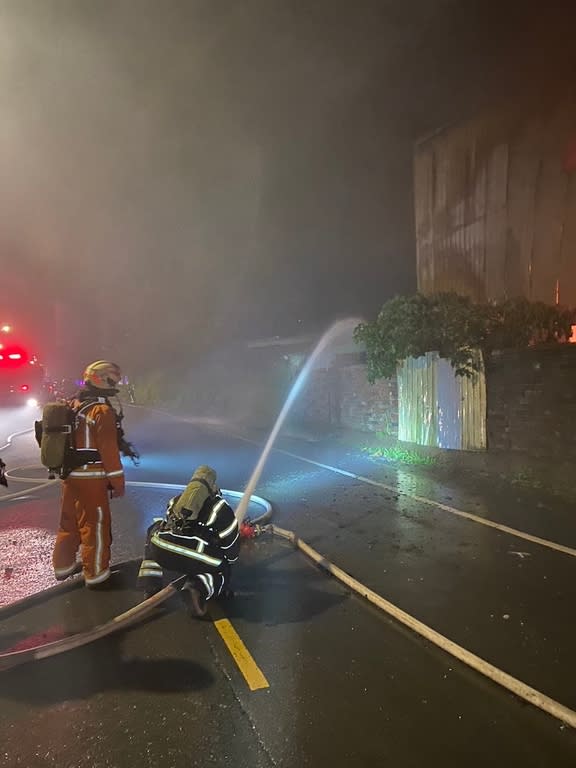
(210, 540)
(96, 431)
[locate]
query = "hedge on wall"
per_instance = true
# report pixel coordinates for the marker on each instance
(457, 329)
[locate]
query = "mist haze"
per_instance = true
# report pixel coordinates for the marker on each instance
(179, 175)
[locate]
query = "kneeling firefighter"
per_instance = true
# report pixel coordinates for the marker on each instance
(91, 468)
(198, 537)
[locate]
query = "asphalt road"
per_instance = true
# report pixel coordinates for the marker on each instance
(346, 686)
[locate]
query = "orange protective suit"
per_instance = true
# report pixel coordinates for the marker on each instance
(85, 520)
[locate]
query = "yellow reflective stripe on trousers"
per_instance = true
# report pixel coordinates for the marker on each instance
(228, 530)
(98, 579)
(150, 568)
(98, 563)
(190, 553)
(208, 582)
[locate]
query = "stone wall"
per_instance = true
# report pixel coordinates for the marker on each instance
(369, 407)
(531, 402)
(342, 397)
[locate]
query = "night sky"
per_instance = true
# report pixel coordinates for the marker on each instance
(182, 174)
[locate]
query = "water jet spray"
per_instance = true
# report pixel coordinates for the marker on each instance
(336, 330)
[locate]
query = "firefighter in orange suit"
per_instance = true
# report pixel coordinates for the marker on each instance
(85, 520)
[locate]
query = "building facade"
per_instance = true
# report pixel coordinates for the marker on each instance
(495, 203)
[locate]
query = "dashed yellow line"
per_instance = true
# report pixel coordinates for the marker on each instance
(241, 655)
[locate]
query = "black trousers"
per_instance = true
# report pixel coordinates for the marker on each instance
(210, 582)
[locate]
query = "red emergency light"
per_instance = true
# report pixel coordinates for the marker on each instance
(24, 388)
(13, 356)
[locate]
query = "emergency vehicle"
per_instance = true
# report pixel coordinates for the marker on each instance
(22, 376)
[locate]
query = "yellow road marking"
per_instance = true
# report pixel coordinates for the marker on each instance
(241, 655)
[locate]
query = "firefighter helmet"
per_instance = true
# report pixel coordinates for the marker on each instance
(102, 374)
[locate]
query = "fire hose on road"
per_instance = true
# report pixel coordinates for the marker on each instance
(124, 620)
(142, 610)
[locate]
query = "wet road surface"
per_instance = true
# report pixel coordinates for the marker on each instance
(347, 686)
